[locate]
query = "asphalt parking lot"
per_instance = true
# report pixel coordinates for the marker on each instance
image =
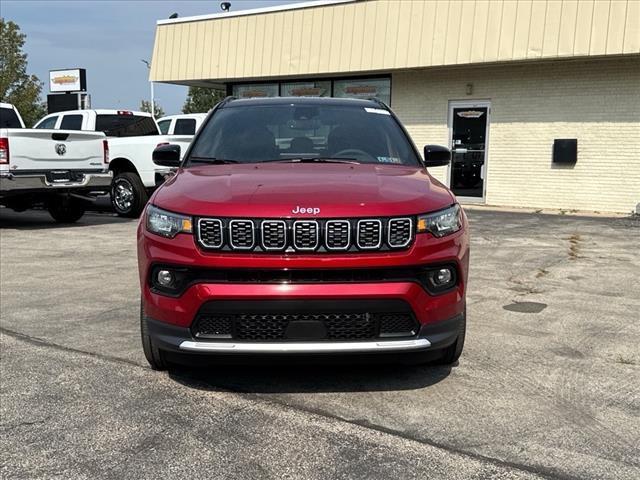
(548, 385)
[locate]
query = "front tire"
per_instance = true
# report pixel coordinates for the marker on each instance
(451, 354)
(151, 351)
(66, 210)
(128, 195)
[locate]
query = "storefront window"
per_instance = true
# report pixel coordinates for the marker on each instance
(306, 89)
(379, 88)
(250, 90)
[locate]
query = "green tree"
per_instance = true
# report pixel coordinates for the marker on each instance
(16, 85)
(145, 106)
(201, 100)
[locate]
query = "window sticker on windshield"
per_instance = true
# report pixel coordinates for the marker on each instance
(395, 160)
(379, 111)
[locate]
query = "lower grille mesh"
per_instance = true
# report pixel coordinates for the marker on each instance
(213, 326)
(260, 327)
(274, 326)
(397, 324)
(350, 326)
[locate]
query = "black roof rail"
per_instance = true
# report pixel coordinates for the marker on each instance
(227, 100)
(379, 102)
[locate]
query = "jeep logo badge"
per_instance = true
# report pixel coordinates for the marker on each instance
(61, 148)
(309, 210)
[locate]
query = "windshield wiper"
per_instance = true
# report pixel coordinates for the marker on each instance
(314, 160)
(211, 160)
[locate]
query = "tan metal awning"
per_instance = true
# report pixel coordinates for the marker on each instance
(350, 37)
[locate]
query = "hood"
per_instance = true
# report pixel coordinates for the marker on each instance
(289, 189)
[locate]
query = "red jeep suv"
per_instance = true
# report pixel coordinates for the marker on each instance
(302, 226)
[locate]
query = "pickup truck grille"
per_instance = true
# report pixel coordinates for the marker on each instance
(305, 235)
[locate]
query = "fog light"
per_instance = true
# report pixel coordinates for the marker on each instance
(442, 277)
(165, 278)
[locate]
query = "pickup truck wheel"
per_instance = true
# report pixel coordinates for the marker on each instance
(451, 354)
(66, 210)
(128, 195)
(151, 351)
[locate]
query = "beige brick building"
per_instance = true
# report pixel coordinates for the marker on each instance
(500, 82)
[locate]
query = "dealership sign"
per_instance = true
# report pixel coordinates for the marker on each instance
(73, 80)
(471, 114)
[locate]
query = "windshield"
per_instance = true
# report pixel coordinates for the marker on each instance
(126, 125)
(251, 134)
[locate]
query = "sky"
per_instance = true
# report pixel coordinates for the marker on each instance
(108, 38)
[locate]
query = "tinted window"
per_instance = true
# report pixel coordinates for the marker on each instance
(71, 122)
(48, 122)
(185, 126)
(164, 126)
(126, 125)
(279, 132)
(312, 88)
(9, 119)
(250, 90)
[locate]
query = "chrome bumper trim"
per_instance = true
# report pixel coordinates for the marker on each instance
(306, 347)
(9, 182)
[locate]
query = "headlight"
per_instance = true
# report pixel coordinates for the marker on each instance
(167, 224)
(442, 223)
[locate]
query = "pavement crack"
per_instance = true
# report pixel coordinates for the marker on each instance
(547, 473)
(45, 343)
(7, 427)
(363, 423)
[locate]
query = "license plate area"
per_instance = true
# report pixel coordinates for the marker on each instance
(64, 176)
(305, 330)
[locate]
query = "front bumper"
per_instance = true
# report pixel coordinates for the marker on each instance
(431, 337)
(306, 347)
(38, 182)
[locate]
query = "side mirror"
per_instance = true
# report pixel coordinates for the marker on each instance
(167, 155)
(436, 156)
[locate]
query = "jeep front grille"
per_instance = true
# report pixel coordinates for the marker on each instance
(241, 234)
(399, 232)
(274, 234)
(337, 234)
(210, 232)
(369, 234)
(305, 235)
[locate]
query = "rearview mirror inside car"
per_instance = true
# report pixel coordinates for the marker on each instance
(167, 155)
(436, 156)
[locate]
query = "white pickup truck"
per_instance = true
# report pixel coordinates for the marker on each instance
(58, 169)
(183, 124)
(132, 138)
